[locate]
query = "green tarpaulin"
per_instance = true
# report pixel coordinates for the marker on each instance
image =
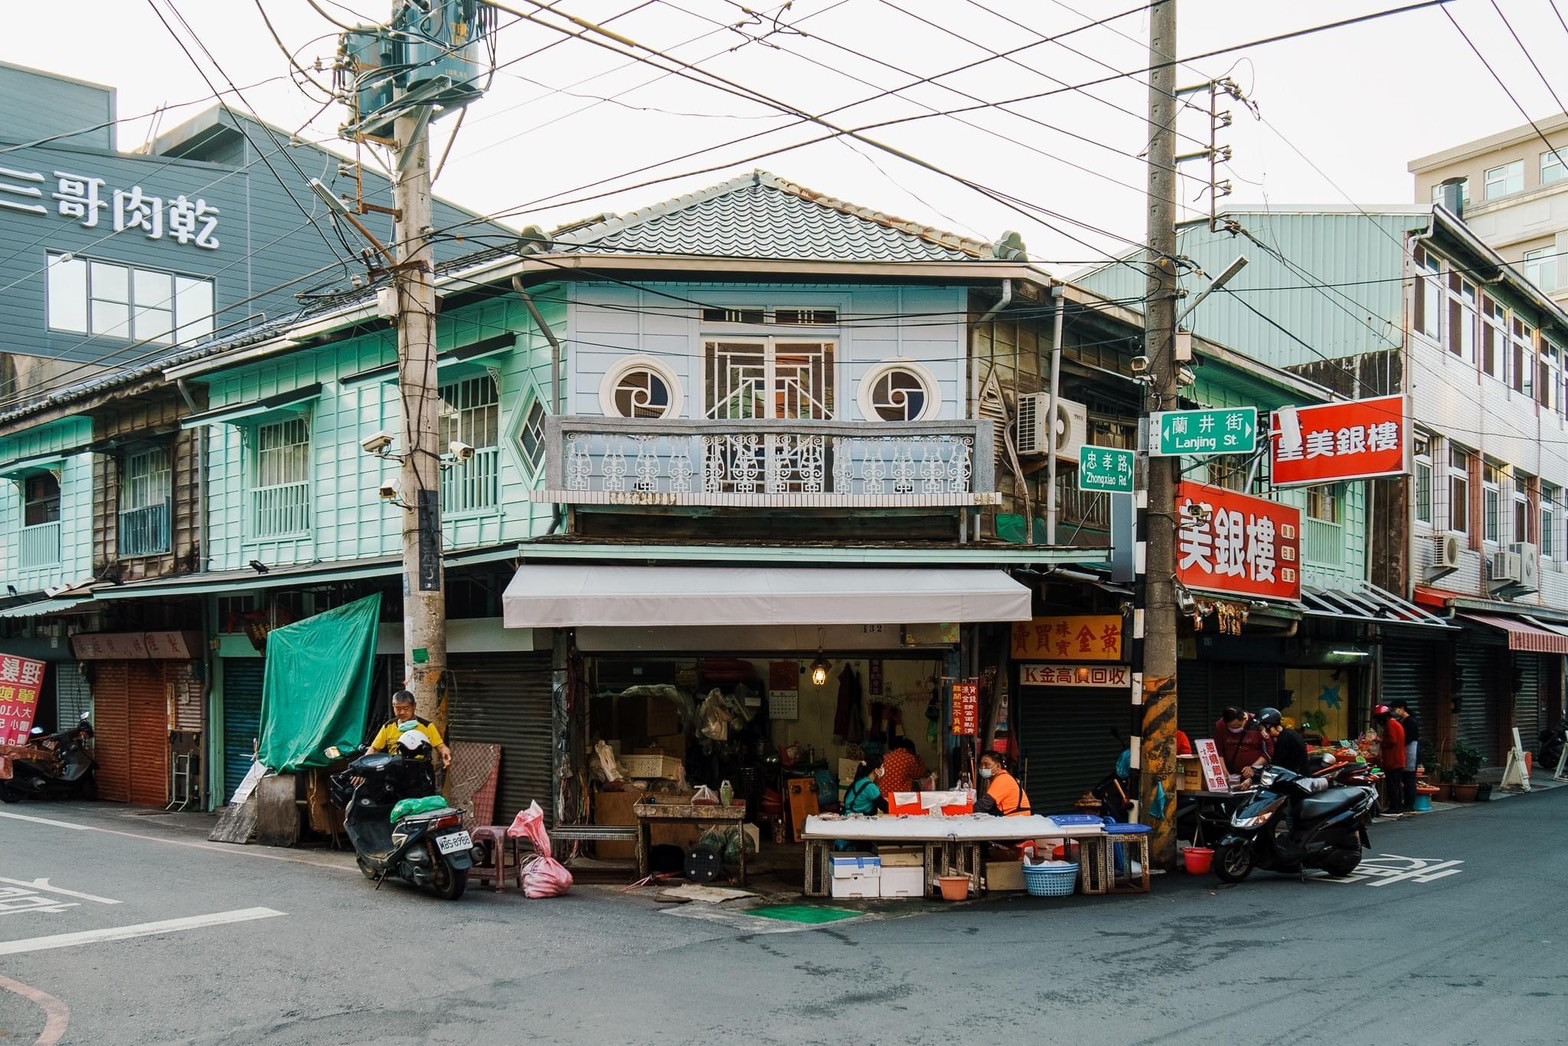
(316, 689)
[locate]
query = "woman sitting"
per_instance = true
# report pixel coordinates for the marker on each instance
(1004, 796)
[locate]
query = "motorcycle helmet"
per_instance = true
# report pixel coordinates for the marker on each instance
(1381, 712)
(1269, 717)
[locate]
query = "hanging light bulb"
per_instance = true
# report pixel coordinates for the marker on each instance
(819, 670)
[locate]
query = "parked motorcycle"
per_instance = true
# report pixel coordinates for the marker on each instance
(54, 766)
(1294, 822)
(428, 849)
(1549, 749)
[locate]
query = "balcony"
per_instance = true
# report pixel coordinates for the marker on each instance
(768, 464)
(145, 531)
(1325, 544)
(40, 546)
(280, 511)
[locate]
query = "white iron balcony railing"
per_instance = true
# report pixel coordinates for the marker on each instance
(472, 485)
(768, 464)
(280, 511)
(40, 545)
(145, 531)
(1325, 543)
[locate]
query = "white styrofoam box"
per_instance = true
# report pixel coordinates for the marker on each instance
(848, 865)
(903, 881)
(857, 886)
(903, 858)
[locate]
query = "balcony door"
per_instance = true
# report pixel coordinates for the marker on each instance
(777, 379)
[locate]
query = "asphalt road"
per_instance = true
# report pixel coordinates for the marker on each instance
(1459, 938)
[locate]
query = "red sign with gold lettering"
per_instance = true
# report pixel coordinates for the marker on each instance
(1083, 637)
(966, 709)
(1237, 544)
(20, 680)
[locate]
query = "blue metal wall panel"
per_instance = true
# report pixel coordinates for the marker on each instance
(73, 105)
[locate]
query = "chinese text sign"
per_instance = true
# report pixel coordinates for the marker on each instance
(1357, 440)
(1078, 638)
(20, 681)
(1237, 544)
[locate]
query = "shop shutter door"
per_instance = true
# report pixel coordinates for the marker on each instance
(1476, 667)
(1066, 735)
(112, 730)
(1410, 674)
(1527, 702)
(504, 699)
(149, 731)
(73, 696)
(241, 718)
(1194, 680)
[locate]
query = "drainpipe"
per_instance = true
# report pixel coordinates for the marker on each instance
(990, 315)
(212, 751)
(557, 360)
(1058, 292)
(1006, 300)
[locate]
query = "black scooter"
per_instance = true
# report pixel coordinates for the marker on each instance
(431, 849)
(63, 767)
(1296, 822)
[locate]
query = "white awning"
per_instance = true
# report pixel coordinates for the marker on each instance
(559, 595)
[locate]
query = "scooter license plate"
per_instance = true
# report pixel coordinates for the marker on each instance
(451, 844)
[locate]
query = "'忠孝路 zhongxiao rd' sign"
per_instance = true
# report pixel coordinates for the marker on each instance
(1237, 544)
(1361, 439)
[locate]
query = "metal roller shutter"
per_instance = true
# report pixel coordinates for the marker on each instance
(504, 699)
(1066, 735)
(149, 730)
(1527, 701)
(1475, 667)
(241, 718)
(112, 730)
(73, 696)
(1410, 674)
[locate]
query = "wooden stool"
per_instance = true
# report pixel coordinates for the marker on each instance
(1134, 848)
(494, 838)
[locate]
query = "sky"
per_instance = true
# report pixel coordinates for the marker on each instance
(570, 128)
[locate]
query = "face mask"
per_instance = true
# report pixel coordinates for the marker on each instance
(1238, 729)
(406, 725)
(986, 771)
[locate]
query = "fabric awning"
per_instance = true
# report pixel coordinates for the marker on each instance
(552, 595)
(1522, 635)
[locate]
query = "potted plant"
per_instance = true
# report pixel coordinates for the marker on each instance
(1467, 764)
(1439, 779)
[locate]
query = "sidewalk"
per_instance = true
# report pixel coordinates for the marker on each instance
(1540, 781)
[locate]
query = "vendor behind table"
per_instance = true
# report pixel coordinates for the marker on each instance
(863, 796)
(1240, 741)
(1004, 796)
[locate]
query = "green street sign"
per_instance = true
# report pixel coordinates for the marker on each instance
(1105, 470)
(1199, 433)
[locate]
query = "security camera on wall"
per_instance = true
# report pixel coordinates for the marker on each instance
(389, 491)
(460, 450)
(377, 444)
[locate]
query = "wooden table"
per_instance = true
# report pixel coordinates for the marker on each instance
(649, 813)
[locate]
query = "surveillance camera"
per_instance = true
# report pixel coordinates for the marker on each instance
(1186, 376)
(1139, 364)
(390, 491)
(377, 444)
(460, 450)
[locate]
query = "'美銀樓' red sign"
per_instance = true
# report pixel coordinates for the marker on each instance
(1361, 439)
(1237, 544)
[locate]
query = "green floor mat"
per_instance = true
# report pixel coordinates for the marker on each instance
(805, 913)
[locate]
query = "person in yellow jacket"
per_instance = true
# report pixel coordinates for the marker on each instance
(1004, 796)
(387, 737)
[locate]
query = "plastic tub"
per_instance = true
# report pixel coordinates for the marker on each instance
(1200, 860)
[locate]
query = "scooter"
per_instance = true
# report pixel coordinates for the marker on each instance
(430, 849)
(1549, 750)
(1295, 822)
(54, 766)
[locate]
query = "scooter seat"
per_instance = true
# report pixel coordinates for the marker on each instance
(1326, 804)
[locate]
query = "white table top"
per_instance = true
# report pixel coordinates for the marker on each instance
(965, 828)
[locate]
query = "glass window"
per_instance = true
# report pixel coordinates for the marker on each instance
(1459, 490)
(1505, 180)
(901, 391)
(283, 453)
(470, 412)
(1494, 337)
(40, 499)
(1549, 496)
(533, 436)
(1491, 502)
(97, 297)
(1323, 503)
(773, 378)
(1552, 169)
(147, 480)
(1461, 317)
(1522, 365)
(1540, 267)
(1521, 506)
(1428, 294)
(1423, 450)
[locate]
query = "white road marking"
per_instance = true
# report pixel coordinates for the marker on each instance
(45, 820)
(43, 884)
(1385, 869)
(121, 933)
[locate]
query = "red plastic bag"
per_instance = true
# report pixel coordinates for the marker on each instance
(543, 875)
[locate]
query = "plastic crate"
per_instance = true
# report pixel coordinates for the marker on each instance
(1050, 880)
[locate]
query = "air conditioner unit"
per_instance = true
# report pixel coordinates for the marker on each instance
(1034, 434)
(1505, 568)
(1529, 565)
(1445, 553)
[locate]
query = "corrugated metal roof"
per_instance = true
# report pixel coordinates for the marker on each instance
(760, 215)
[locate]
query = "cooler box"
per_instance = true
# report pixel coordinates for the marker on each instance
(903, 881)
(856, 875)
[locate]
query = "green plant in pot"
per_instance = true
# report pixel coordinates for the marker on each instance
(1440, 779)
(1467, 764)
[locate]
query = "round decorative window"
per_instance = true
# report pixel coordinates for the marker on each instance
(900, 390)
(640, 387)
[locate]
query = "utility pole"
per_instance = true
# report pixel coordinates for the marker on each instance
(424, 591)
(1156, 610)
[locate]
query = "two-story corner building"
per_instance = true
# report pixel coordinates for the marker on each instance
(1512, 191)
(113, 263)
(1410, 302)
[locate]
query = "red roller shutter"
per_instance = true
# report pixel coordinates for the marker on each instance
(112, 730)
(149, 732)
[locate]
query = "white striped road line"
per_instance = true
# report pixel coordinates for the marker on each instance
(52, 824)
(43, 884)
(121, 933)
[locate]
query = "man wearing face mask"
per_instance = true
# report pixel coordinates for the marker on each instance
(1004, 796)
(1240, 742)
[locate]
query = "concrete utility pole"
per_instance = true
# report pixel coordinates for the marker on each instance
(424, 592)
(1157, 753)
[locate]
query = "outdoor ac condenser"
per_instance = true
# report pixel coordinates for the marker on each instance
(1034, 433)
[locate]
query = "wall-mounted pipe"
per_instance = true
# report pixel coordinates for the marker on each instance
(557, 356)
(1058, 292)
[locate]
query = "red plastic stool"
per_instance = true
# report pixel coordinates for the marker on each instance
(494, 839)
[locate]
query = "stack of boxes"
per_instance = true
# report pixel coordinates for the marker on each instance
(892, 873)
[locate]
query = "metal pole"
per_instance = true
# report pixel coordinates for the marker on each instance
(1157, 736)
(1059, 292)
(424, 595)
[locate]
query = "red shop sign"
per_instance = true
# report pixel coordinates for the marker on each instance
(966, 709)
(1361, 439)
(1237, 544)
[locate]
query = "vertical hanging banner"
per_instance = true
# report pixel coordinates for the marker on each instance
(966, 709)
(1237, 544)
(20, 680)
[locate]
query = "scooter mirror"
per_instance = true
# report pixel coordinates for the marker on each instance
(332, 752)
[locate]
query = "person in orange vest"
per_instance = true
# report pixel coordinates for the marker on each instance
(1004, 796)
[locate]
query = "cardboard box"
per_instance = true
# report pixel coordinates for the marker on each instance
(903, 857)
(639, 717)
(903, 881)
(652, 766)
(857, 886)
(615, 808)
(671, 745)
(1004, 875)
(848, 865)
(1189, 774)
